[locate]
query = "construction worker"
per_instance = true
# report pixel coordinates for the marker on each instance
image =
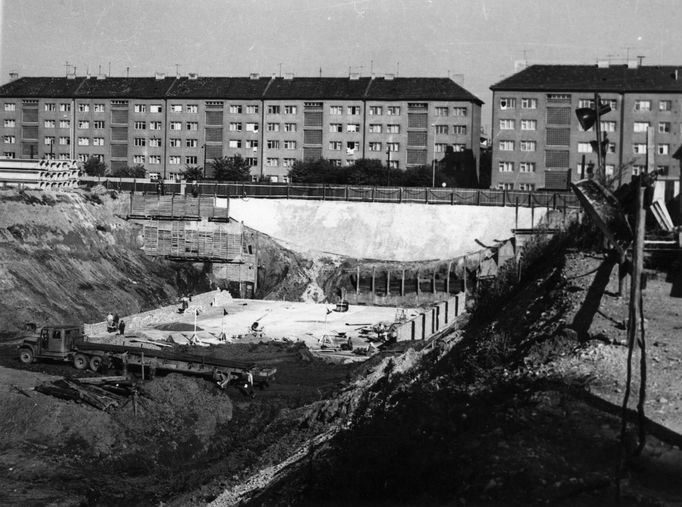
(121, 328)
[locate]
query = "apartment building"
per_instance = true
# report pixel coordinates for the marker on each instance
(537, 139)
(167, 124)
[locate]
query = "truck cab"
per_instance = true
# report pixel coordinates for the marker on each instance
(51, 342)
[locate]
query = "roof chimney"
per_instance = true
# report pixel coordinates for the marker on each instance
(254, 75)
(676, 74)
(160, 75)
(354, 76)
(389, 77)
(13, 76)
(288, 75)
(602, 64)
(101, 77)
(192, 76)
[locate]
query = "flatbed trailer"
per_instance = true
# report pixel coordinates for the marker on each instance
(68, 343)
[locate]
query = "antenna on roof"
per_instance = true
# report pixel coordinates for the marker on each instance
(280, 69)
(640, 59)
(397, 69)
(320, 71)
(109, 68)
(66, 66)
(127, 72)
(177, 72)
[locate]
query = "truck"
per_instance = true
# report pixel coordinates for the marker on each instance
(68, 343)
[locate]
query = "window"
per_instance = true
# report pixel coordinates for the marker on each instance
(335, 110)
(505, 167)
(374, 128)
(506, 145)
(608, 126)
(289, 109)
(140, 125)
(10, 106)
(273, 127)
(639, 148)
(353, 110)
(64, 108)
(527, 167)
(353, 127)
(528, 103)
(49, 140)
(65, 141)
(83, 124)
(507, 124)
(252, 143)
(334, 145)
(140, 108)
(155, 142)
(83, 108)
(192, 108)
(611, 148)
(154, 125)
(441, 129)
(98, 124)
(12, 123)
(560, 98)
(528, 145)
(83, 141)
(49, 124)
(288, 162)
(459, 111)
(584, 148)
(441, 111)
(393, 129)
(459, 129)
(374, 146)
(192, 125)
(138, 159)
(393, 110)
(459, 147)
(375, 110)
(642, 105)
(527, 186)
(174, 160)
(252, 127)
(251, 161)
(273, 144)
(638, 169)
(640, 126)
(662, 169)
(336, 127)
(351, 147)
(665, 105)
(252, 109)
(176, 108)
(98, 141)
(83, 157)
(155, 108)
(664, 127)
(440, 147)
(155, 159)
(663, 149)
(335, 162)
(289, 145)
(507, 103)
(586, 103)
(273, 109)
(139, 141)
(289, 127)
(235, 109)
(65, 156)
(65, 124)
(191, 143)
(529, 124)
(234, 143)
(175, 142)
(609, 169)
(272, 162)
(50, 106)
(393, 146)
(8, 154)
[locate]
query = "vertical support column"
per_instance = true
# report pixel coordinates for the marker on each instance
(357, 283)
(433, 281)
(447, 280)
(402, 284)
(388, 282)
(374, 272)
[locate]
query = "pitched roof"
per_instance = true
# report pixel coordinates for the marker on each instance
(301, 88)
(615, 78)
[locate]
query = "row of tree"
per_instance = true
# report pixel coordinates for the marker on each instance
(362, 172)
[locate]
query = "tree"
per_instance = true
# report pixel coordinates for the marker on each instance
(136, 171)
(233, 168)
(193, 173)
(95, 167)
(313, 171)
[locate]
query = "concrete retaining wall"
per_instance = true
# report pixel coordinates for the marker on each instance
(429, 322)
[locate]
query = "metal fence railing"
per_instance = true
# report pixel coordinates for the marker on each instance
(450, 196)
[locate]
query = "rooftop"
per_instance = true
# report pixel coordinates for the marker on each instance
(268, 88)
(613, 78)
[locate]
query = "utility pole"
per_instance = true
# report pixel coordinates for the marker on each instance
(388, 166)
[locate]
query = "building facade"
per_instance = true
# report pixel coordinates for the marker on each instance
(539, 143)
(167, 124)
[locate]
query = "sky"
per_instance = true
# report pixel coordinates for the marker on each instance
(475, 42)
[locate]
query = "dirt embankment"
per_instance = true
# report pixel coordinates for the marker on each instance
(519, 407)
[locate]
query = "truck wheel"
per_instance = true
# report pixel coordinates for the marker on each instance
(26, 356)
(80, 361)
(95, 363)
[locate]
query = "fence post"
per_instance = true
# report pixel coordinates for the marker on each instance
(478, 197)
(357, 283)
(516, 213)
(452, 198)
(400, 195)
(345, 193)
(554, 201)
(504, 197)
(426, 195)
(324, 192)
(288, 189)
(373, 190)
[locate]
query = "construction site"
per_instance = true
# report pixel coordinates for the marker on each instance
(163, 348)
